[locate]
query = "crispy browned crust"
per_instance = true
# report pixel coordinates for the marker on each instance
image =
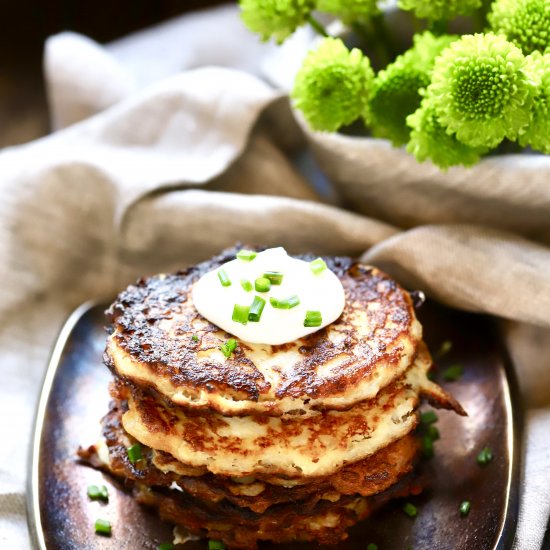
(240, 528)
(138, 313)
(366, 477)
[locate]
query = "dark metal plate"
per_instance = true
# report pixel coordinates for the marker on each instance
(75, 397)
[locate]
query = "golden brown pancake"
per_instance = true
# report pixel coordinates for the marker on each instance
(372, 344)
(324, 522)
(292, 448)
(365, 478)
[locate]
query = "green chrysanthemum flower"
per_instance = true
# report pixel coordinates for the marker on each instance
(526, 23)
(396, 90)
(427, 46)
(332, 87)
(276, 19)
(349, 10)
(481, 91)
(440, 9)
(537, 134)
(430, 140)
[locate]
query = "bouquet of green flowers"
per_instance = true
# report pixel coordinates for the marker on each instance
(448, 98)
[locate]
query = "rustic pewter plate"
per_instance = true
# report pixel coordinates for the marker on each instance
(75, 397)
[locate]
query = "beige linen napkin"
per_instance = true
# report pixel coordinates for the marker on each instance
(167, 173)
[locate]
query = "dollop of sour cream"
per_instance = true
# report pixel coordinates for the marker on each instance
(317, 288)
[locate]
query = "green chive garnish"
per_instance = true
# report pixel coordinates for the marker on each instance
(410, 509)
(103, 527)
(216, 545)
(98, 493)
(432, 432)
(240, 314)
(313, 319)
(229, 347)
(134, 453)
(485, 456)
(263, 284)
(465, 508)
(429, 417)
(372, 546)
(427, 446)
(275, 277)
(195, 338)
(317, 266)
(452, 374)
(224, 279)
(445, 348)
(246, 255)
(286, 303)
(247, 285)
(165, 546)
(256, 309)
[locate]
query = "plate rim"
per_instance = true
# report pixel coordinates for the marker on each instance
(512, 396)
(34, 517)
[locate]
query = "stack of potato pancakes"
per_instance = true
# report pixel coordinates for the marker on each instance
(292, 442)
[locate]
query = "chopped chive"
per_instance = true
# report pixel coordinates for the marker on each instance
(262, 284)
(134, 453)
(465, 508)
(372, 546)
(246, 255)
(216, 545)
(485, 456)
(317, 266)
(240, 314)
(93, 492)
(224, 279)
(195, 338)
(313, 319)
(165, 546)
(429, 417)
(427, 446)
(98, 493)
(410, 509)
(275, 277)
(256, 309)
(432, 432)
(103, 527)
(247, 285)
(452, 374)
(445, 347)
(229, 347)
(286, 303)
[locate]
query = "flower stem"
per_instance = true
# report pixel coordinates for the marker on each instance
(317, 26)
(439, 27)
(384, 35)
(480, 16)
(372, 45)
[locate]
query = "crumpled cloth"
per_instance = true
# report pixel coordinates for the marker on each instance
(172, 144)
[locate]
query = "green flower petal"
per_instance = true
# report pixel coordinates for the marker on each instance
(537, 134)
(349, 10)
(440, 9)
(396, 90)
(430, 140)
(333, 85)
(276, 19)
(526, 23)
(481, 91)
